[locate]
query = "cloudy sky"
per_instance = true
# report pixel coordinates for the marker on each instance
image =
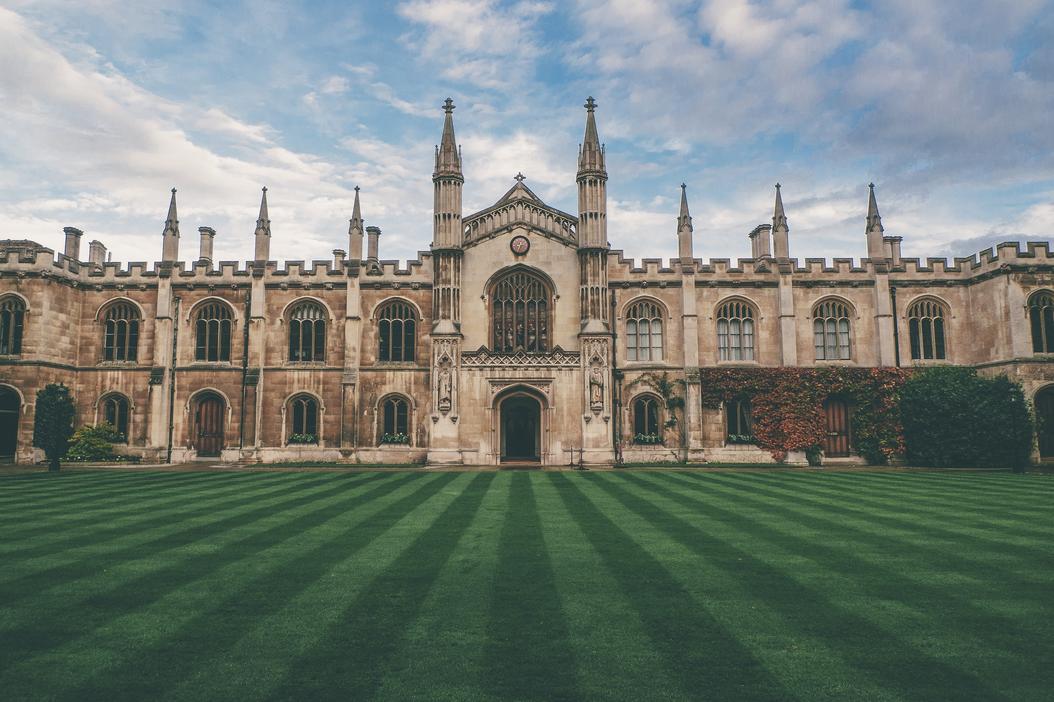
(946, 106)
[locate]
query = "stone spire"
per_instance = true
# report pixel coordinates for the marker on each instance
(355, 232)
(170, 237)
(591, 153)
(876, 247)
(448, 160)
(684, 229)
(780, 229)
(447, 232)
(263, 231)
(592, 228)
(592, 186)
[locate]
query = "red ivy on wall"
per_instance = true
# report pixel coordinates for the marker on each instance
(787, 405)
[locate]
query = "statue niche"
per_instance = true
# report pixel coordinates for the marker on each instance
(520, 308)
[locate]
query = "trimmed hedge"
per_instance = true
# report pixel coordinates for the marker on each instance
(953, 417)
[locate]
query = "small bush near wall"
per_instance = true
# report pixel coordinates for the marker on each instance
(953, 417)
(93, 443)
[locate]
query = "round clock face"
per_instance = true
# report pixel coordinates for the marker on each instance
(519, 245)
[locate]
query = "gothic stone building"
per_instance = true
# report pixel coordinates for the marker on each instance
(517, 336)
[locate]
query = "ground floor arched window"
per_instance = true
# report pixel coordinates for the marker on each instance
(646, 420)
(738, 421)
(303, 420)
(115, 412)
(395, 421)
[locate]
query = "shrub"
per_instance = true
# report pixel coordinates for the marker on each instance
(53, 422)
(93, 443)
(395, 438)
(303, 439)
(647, 439)
(953, 417)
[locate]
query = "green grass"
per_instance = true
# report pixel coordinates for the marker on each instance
(526, 585)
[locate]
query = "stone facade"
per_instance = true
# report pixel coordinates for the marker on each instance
(520, 334)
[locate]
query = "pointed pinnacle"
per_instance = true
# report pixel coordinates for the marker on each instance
(172, 208)
(356, 212)
(872, 203)
(684, 200)
(263, 207)
(777, 211)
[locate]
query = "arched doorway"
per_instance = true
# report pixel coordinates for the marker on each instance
(838, 441)
(209, 418)
(1045, 421)
(521, 428)
(10, 407)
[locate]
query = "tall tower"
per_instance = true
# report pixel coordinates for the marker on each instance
(170, 237)
(263, 232)
(595, 335)
(447, 237)
(447, 233)
(592, 227)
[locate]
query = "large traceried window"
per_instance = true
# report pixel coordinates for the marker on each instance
(115, 410)
(303, 411)
(121, 332)
(831, 330)
(735, 331)
(1041, 317)
(397, 328)
(520, 313)
(926, 330)
(644, 331)
(12, 318)
(213, 331)
(307, 332)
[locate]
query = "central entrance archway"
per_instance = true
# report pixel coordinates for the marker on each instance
(10, 408)
(521, 428)
(209, 415)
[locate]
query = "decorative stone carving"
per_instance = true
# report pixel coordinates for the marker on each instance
(557, 358)
(545, 385)
(596, 388)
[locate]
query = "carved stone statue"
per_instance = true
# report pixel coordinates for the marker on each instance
(444, 388)
(596, 388)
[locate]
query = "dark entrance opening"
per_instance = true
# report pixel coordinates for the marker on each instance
(521, 423)
(208, 425)
(1045, 421)
(838, 442)
(10, 405)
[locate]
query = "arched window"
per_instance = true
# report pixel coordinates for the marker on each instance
(831, 330)
(121, 332)
(646, 420)
(12, 317)
(307, 332)
(644, 331)
(735, 331)
(115, 413)
(738, 421)
(303, 427)
(397, 328)
(1041, 315)
(520, 313)
(213, 328)
(395, 424)
(926, 329)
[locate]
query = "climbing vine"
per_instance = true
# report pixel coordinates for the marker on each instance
(787, 405)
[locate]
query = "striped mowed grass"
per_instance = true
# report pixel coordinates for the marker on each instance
(526, 585)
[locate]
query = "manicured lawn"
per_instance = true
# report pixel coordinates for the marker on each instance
(460, 586)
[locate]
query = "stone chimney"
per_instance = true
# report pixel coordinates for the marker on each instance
(893, 248)
(73, 242)
(207, 234)
(759, 242)
(96, 254)
(338, 258)
(373, 235)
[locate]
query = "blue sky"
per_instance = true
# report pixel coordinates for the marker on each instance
(946, 106)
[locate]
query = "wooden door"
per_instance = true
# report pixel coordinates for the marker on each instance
(838, 441)
(1045, 422)
(10, 404)
(208, 425)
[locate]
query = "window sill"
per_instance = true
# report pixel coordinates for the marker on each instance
(748, 364)
(930, 362)
(118, 364)
(835, 362)
(212, 364)
(305, 364)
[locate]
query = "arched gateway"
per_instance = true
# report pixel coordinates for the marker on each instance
(520, 427)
